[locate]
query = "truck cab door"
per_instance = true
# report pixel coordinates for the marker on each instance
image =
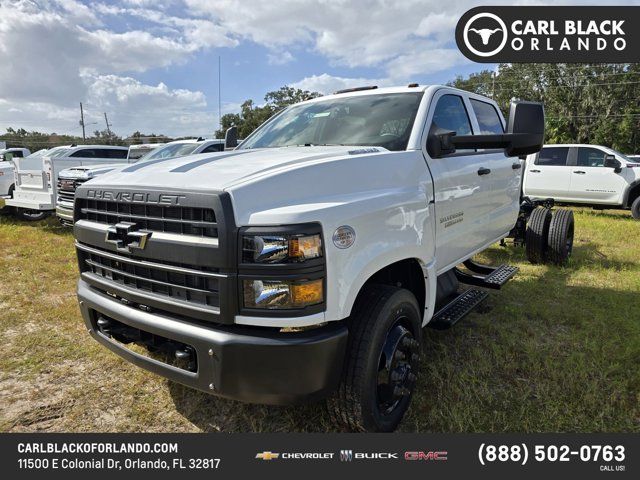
(549, 174)
(592, 182)
(460, 187)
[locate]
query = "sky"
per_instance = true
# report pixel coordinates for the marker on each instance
(152, 65)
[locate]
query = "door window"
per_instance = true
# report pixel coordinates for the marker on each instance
(553, 157)
(451, 114)
(214, 147)
(590, 157)
(85, 153)
(488, 117)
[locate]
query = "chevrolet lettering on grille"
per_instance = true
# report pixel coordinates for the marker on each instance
(126, 237)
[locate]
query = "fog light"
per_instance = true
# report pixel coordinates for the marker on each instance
(282, 294)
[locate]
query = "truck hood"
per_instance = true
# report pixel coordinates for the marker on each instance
(218, 171)
(90, 171)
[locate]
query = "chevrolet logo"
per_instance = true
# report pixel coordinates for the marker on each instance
(267, 455)
(126, 238)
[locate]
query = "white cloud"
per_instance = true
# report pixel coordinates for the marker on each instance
(131, 105)
(326, 83)
(280, 57)
(368, 33)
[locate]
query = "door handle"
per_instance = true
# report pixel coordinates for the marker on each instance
(516, 166)
(534, 171)
(579, 172)
(484, 171)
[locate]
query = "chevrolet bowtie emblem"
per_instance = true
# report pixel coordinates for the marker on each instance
(267, 455)
(126, 237)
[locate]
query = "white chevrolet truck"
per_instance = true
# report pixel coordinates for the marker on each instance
(580, 174)
(306, 262)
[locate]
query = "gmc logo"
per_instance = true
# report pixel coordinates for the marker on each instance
(429, 456)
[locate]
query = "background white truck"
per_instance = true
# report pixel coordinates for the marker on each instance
(34, 196)
(69, 179)
(6, 171)
(584, 174)
(306, 262)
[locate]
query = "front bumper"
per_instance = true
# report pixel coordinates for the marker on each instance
(64, 213)
(254, 365)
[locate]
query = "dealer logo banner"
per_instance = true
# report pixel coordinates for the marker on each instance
(550, 34)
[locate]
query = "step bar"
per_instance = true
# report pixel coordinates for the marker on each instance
(485, 276)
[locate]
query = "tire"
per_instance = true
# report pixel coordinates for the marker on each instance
(537, 234)
(31, 215)
(635, 208)
(561, 237)
(382, 358)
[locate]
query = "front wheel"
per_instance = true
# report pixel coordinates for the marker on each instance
(31, 215)
(381, 363)
(635, 208)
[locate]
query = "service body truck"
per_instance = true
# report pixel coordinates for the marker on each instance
(34, 196)
(306, 262)
(69, 179)
(584, 175)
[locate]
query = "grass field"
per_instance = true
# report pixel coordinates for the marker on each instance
(555, 350)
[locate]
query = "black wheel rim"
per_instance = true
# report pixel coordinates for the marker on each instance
(397, 367)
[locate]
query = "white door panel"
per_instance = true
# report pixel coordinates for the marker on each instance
(592, 182)
(547, 174)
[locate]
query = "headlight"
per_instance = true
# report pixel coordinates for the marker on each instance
(282, 294)
(280, 248)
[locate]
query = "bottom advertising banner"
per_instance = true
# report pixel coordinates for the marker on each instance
(229, 455)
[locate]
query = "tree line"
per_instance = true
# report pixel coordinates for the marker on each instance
(584, 103)
(597, 104)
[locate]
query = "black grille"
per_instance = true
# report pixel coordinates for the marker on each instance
(177, 283)
(161, 218)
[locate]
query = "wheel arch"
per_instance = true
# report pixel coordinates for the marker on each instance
(633, 192)
(409, 273)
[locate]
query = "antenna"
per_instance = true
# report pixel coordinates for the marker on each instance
(219, 97)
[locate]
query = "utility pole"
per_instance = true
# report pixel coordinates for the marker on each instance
(106, 120)
(493, 87)
(84, 137)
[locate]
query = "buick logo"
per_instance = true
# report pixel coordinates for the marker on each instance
(126, 237)
(346, 455)
(485, 34)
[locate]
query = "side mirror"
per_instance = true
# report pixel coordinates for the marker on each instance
(610, 161)
(231, 138)
(525, 134)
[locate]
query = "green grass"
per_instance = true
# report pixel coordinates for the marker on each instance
(554, 350)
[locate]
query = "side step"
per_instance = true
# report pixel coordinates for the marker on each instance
(488, 277)
(455, 310)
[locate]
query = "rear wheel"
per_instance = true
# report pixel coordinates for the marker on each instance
(537, 233)
(561, 237)
(31, 215)
(381, 363)
(635, 208)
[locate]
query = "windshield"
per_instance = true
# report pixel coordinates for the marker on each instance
(383, 120)
(39, 153)
(57, 152)
(171, 150)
